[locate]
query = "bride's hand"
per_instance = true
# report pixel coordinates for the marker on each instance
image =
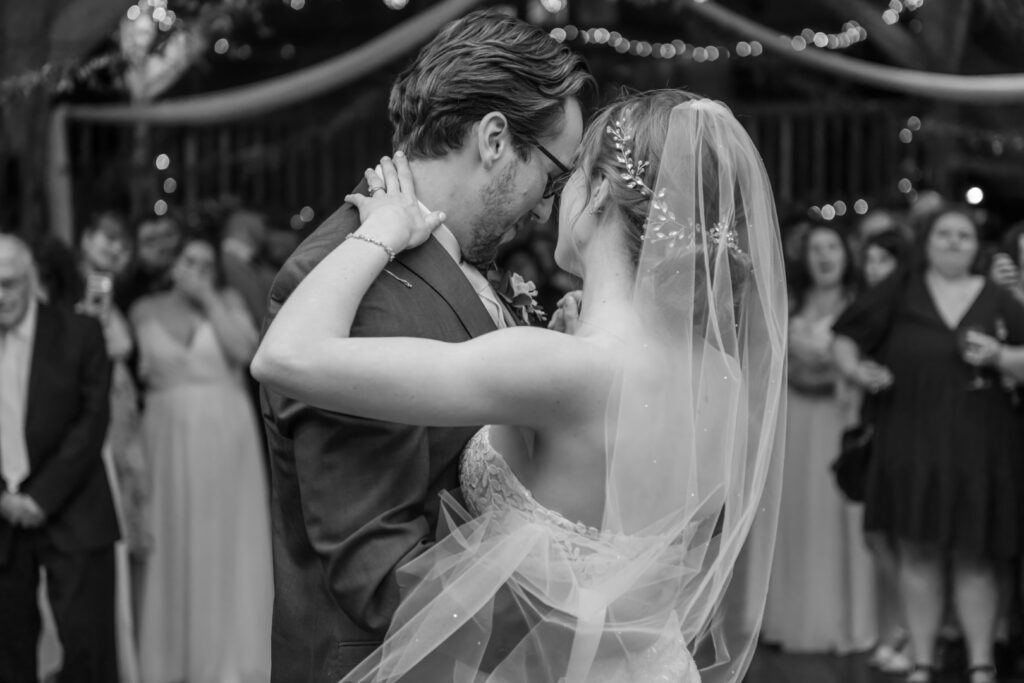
(392, 213)
(567, 316)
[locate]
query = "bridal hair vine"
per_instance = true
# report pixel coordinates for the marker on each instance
(662, 223)
(633, 173)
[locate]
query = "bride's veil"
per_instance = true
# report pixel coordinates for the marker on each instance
(694, 433)
(697, 424)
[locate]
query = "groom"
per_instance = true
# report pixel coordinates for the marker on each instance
(489, 116)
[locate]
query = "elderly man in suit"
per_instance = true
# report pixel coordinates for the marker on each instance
(56, 510)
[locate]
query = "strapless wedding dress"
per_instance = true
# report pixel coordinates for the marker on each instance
(490, 486)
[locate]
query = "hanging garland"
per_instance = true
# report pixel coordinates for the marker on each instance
(157, 40)
(281, 91)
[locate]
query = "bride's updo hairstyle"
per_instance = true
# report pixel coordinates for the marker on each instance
(624, 144)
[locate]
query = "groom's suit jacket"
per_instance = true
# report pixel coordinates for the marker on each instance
(353, 499)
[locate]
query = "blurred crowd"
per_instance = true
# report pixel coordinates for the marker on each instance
(900, 530)
(180, 309)
(903, 334)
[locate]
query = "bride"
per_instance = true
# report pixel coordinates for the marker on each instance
(620, 503)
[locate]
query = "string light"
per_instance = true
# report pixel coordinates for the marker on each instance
(897, 8)
(838, 209)
(554, 6)
(851, 34)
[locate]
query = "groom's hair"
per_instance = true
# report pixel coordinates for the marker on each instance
(486, 61)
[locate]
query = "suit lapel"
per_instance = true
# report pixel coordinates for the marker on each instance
(429, 261)
(434, 266)
(46, 331)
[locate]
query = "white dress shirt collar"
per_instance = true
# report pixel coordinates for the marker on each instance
(446, 238)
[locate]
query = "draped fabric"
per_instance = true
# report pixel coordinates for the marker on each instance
(244, 102)
(973, 89)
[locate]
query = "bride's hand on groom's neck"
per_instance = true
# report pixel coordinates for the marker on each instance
(566, 317)
(392, 213)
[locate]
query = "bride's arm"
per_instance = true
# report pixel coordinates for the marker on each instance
(523, 376)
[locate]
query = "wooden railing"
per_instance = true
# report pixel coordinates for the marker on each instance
(313, 156)
(816, 154)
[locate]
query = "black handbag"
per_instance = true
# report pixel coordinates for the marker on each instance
(851, 467)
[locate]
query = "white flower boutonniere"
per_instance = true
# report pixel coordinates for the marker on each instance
(518, 294)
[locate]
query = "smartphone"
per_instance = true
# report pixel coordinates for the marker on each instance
(99, 292)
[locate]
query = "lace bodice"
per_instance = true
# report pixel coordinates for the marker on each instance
(489, 485)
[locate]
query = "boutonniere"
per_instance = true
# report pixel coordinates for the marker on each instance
(518, 294)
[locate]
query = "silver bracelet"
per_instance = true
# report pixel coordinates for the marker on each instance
(370, 240)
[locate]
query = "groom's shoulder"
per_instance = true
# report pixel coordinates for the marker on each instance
(313, 249)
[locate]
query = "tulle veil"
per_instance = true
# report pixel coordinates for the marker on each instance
(694, 456)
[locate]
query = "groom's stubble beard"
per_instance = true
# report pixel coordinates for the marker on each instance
(495, 220)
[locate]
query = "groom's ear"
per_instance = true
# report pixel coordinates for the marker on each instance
(493, 138)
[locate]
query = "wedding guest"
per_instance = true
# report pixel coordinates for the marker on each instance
(875, 222)
(794, 225)
(83, 281)
(157, 241)
(245, 239)
(1005, 268)
(242, 246)
(206, 594)
(821, 596)
(946, 472)
(105, 249)
(56, 510)
(884, 253)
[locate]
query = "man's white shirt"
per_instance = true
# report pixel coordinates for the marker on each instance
(480, 285)
(15, 368)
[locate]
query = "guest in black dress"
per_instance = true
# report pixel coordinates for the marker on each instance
(947, 476)
(884, 253)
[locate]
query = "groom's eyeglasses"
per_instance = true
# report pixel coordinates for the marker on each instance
(556, 183)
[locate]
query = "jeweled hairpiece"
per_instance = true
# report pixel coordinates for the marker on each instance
(662, 223)
(633, 173)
